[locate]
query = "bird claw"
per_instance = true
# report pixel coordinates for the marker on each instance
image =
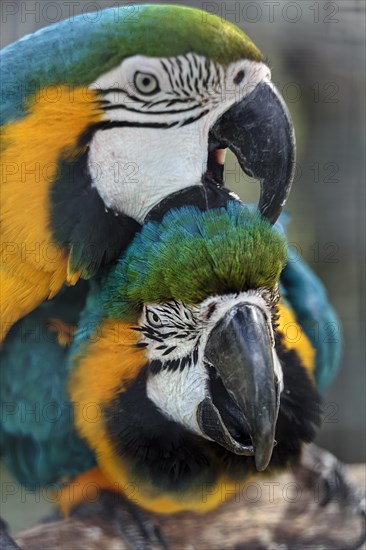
(135, 526)
(321, 469)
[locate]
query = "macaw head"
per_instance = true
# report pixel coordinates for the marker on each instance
(167, 90)
(202, 290)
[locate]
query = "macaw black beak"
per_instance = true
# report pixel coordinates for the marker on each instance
(239, 350)
(259, 131)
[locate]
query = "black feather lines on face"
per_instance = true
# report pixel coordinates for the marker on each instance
(179, 326)
(172, 365)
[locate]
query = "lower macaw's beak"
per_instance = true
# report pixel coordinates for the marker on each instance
(259, 131)
(239, 352)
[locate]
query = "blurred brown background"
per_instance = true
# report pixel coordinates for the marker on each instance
(317, 53)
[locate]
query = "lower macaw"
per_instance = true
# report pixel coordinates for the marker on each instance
(181, 371)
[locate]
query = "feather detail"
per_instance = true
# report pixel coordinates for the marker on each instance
(192, 255)
(34, 265)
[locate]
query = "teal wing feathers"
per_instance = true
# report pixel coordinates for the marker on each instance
(37, 436)
(309, 300)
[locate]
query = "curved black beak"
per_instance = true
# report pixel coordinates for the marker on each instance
(239, 348)
(259, 131)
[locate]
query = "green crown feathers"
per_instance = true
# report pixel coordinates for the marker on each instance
(192, 255)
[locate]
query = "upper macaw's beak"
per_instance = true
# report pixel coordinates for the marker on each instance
(240, 412)
(259, 131)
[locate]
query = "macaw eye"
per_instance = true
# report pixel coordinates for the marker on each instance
(239, 77)
(146, 83)
(153, 319)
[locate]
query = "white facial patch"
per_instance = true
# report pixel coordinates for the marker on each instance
(177, 394)
(175, 336)
(162, 110)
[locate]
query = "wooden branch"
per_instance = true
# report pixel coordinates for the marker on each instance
(269, 514)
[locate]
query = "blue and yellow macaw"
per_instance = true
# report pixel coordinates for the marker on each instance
(183, 371)
(102, 120)
(176, 366)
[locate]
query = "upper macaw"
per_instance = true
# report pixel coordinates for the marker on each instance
(102, 120)
(182, 373)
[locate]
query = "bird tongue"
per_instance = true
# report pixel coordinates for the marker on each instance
(215, 166)
(211, 423)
